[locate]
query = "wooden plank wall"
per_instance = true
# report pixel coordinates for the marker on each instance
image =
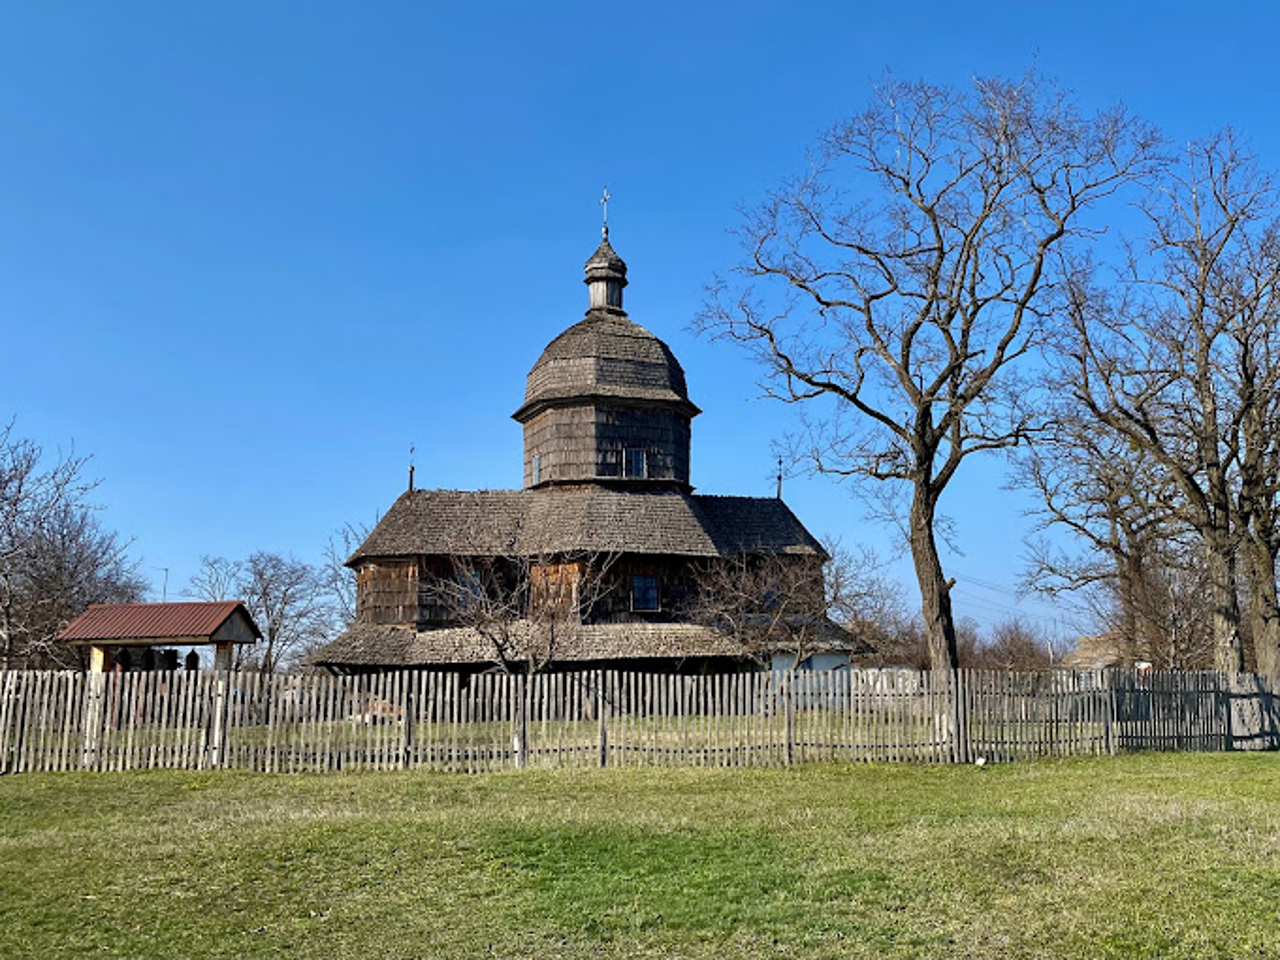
(53, 721)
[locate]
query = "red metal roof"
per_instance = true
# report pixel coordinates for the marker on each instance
(159, 621)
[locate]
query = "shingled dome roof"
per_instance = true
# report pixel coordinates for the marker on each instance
(605, 355)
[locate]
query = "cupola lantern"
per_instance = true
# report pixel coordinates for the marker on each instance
(606, 275)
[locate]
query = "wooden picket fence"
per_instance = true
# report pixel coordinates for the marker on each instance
(52, 721)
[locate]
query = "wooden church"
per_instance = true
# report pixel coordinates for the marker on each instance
(603, 558)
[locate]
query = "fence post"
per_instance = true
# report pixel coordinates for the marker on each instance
(601, 706)
(1228, 700)
(1268, 704)
(218, 731)
(521, 745)
(1108, 690)
(407, 715)
(959, 716)
(95, 693)
(789, 709)
(8, 683)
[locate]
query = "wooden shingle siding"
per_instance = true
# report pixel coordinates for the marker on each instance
(675, 590)
(402, 647)
(387, 592)
(554, 586)
(662, 434)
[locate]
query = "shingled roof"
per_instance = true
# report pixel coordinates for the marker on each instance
(605, 355)
(389, 646)
(593, 519)
(366, 645)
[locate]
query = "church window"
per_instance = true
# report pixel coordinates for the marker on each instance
(609, 463)
(644, 592)
(634, 463)
(537, 469)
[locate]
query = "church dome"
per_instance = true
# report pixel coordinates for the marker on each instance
(605, 355)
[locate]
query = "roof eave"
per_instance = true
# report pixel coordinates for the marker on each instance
(531, 408)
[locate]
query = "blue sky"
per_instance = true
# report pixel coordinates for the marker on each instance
(250, 251)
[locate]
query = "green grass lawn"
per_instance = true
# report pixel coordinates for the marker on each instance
(1151, 855)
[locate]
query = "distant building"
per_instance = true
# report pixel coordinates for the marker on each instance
(606, 506)
(1102, 651)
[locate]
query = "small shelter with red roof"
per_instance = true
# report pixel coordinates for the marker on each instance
(126, 635)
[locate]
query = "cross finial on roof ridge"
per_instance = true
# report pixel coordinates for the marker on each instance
(605, 197)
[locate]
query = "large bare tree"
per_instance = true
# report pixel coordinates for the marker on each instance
(902, 278)
(1111, 501)
(1257, 388)
(1180, 366)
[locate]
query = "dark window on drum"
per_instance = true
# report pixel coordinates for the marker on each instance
(644, 593)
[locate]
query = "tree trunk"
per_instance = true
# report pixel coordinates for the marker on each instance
(935, 592)
(1148, 637)
(1133, 609)
(1228, 646)
(1264, 607)
(7, 648)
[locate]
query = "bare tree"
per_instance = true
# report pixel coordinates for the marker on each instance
(1170, 365)
(1014, 645)
(859, 594)
(1184, 634)
(903, 277)
(74, 563)
(1111, 501)
(340, 581)
(288, 600)
(286, 597)
(526, 608)
(217, 579)
(1256, 379)
(28, 492)
(55, 558)
(900, 641)
(766, 603)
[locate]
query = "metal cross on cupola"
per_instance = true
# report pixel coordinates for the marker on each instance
(604, 205)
